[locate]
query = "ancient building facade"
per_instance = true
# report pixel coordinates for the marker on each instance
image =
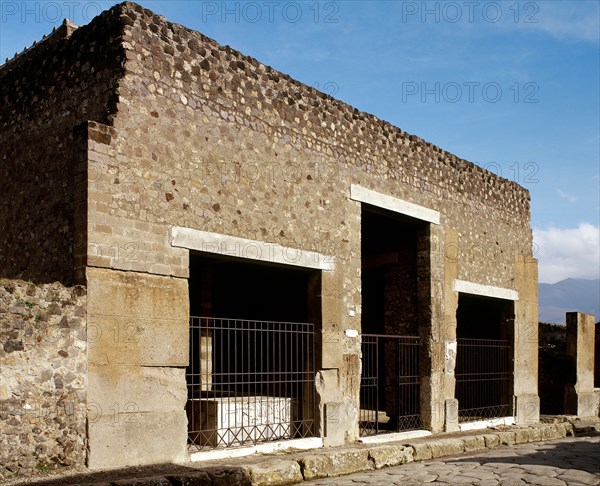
(173, 177)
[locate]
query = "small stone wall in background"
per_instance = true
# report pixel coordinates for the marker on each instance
(43, 377)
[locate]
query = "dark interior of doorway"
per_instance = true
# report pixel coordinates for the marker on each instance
(484, 361)
(236, 288)
(390, 321)
(252, 349)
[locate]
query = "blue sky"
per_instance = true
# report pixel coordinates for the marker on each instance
(510, 85)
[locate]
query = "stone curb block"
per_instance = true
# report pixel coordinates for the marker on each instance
(522, 436)
(446, 447)
(388, 456)
(475, 443)
(338, 463)
(535, 434)
(276, 473)
(422, 452)
(491, 440)
(506, 437)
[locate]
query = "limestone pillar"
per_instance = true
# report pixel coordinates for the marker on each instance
(525, 342)
(436, 330)
(580, 398)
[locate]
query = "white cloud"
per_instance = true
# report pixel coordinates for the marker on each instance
(568, 197)
(567, 253)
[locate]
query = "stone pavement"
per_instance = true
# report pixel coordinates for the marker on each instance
(564, 462)
(504, 455)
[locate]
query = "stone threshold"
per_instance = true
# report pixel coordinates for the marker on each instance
(285, 468)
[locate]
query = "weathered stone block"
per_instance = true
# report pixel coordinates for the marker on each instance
(422, 451)
(277, 472)
(549, 432)
(527, 409)
(315, 466)
(535, 434)
(137, 319)
(491, 440)
(522, 436)
(474, 443)
(145, 389)
(337, 463)
(451, 415)
(506, 437)
(130, 439)
(389, 455)
(446, 447)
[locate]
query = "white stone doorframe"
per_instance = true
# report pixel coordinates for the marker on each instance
(500, 293)
(264, 252)
(430, 219)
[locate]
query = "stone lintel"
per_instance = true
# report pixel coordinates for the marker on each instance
(484, 290)
(234, 246)
(374, 198)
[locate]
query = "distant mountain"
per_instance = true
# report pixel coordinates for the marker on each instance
(570, 295)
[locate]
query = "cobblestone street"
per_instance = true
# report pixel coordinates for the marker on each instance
(563, 462)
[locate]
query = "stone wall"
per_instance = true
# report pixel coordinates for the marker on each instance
(152, 126)
(209, 139)
(47, 90)
(43, 377)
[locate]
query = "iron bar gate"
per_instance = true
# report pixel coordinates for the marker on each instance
(389, 387)
(483, 379)
(249, 382)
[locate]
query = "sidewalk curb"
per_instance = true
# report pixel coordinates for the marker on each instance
(297, 467)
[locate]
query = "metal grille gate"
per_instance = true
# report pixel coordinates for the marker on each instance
(389, 387)
(483, 379)
(249, 382)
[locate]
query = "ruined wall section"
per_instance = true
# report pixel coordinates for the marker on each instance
(47, 90)
(43, 377)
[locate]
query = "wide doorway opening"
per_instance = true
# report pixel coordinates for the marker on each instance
(484, 364)
(390, 381)
(252, 351)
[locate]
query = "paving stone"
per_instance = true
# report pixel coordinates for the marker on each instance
(588, 479)
(547, 471)
(543, 481)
